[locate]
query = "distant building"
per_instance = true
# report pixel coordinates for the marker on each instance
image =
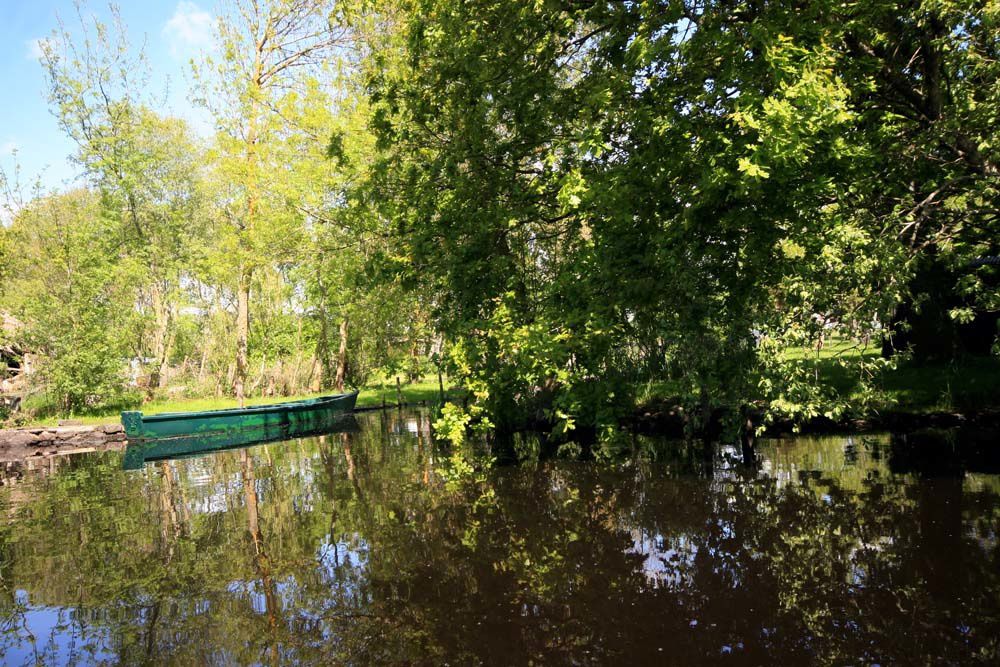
(15, 361)
(988, 260)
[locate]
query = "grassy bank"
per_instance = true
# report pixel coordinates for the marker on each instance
(369, 397)
(964, 386)
(960, 386)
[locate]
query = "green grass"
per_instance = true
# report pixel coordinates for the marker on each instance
(825, 363)
(963, 385)
(412, 393)
(369, 397)
(946, 387)
(834, 348)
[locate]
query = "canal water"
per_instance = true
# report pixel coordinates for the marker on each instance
(377, 547)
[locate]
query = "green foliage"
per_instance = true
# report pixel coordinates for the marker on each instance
(605, 194)
(141, 164)
(558, 204)
(70, 291)
(262, 214)
(6, 256)
(452, 424)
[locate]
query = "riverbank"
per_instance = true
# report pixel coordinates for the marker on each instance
(17, 444)
(910, 397)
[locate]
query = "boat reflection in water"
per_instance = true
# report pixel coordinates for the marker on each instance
(139, 452)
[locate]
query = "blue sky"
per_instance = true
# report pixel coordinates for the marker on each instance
(174, 32)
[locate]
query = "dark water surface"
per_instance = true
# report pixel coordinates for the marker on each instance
(375, 547)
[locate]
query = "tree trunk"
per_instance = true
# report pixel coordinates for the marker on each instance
(437, 353)
(322, 354)
(164, 362)
(342, 356)
(245, 230)
(260, 382)
(163, 317)
(315, 377)
(201, 365)
(414, 371)
(242, 335)
(294, 386)
(272, 380)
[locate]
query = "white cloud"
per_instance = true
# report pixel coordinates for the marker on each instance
(34, 48)
(189, 28)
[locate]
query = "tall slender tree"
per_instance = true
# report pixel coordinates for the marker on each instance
(268, 51)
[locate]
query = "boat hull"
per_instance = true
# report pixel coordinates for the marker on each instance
(312, 415)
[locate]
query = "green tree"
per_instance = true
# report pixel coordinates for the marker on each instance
(144, 166)
(6, 255)
(367, 318)
(270, 53)
(923, 82)
(71, 290)
(604, 194)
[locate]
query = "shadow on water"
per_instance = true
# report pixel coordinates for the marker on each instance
(375, 545)
(951, 452)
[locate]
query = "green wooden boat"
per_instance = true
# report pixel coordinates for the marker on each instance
(312, 415)
(140, 452)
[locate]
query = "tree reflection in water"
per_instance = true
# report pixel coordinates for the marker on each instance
(368, 548)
